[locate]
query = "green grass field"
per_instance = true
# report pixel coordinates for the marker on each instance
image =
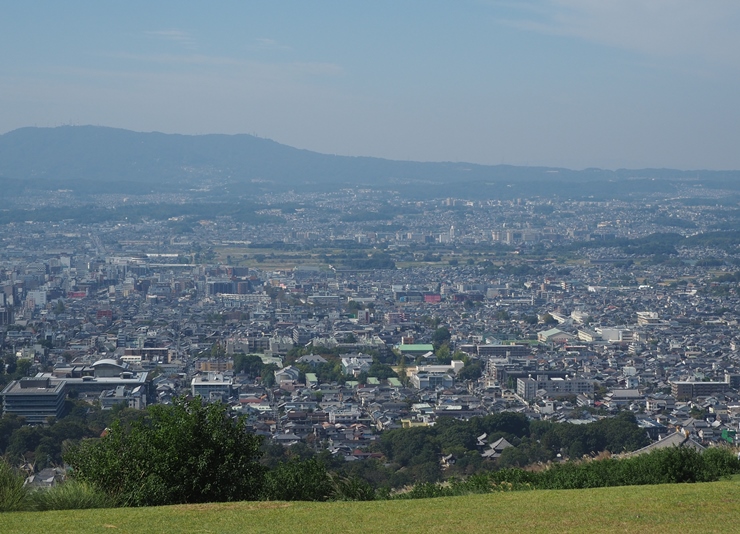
(711, 507)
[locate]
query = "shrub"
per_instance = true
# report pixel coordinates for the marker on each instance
(663, 466)
(13, 494)
(187, 452)
(720, 462)
(297, 480)
(70, 495)
(351, 489)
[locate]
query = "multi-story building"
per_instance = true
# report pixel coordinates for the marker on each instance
(208, 383)
(527, 388)
(214, 365)
(36, 399)
(685, 390)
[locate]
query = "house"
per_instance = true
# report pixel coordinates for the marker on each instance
(354, 364)
(46, 478)
(495, 449)
(676, 439)
(415, 349)
(311, 359)
(133, 398)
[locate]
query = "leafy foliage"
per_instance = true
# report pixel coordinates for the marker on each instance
(417, 450)
(441, 336)
(671, 465)
(70, 495)
(249, 364)
(473, 370)
(183, 453)
(13, 494)
(296, 480)
(43, 445)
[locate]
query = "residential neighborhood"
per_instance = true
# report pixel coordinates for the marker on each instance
(331, 350)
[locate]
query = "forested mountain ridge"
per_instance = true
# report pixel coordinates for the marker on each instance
(87, 156)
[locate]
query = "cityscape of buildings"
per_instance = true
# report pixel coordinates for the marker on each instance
(414, 310)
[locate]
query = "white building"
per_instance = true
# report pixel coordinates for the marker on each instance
(207, 383)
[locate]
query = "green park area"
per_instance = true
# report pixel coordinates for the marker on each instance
(705, 507)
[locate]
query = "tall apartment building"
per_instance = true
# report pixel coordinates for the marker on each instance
(527, 388)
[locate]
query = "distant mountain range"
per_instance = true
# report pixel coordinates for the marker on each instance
(100, 159)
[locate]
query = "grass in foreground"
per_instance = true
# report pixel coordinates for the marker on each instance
(710, 507)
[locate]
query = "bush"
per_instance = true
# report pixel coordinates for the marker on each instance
(188, 452)
(297, 480)
(720, 462)
(663, 466)
(13, 494)
(351, 489)
(70, 495)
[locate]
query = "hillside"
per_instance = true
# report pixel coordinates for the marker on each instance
(93, 158)
(710, 507)
(110, 154)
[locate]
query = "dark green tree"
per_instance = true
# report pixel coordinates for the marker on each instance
(441, 336)
(444, 355)
(471, 371)
(248, 363)
(188, 452)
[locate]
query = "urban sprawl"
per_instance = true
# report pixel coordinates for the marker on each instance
(333, 317)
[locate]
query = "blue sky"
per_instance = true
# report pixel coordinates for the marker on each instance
(572, 83)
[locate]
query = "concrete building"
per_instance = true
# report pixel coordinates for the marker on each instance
(425, 380)
(207, 383)
(132, 398)
(102, 375)
(685, 390)
(527, 388)
(36, 399)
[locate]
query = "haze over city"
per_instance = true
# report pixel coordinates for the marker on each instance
(569, 83)
(270, 253)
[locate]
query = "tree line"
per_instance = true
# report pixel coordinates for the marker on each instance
(195, 452)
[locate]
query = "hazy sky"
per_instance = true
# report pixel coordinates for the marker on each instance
(573, 83)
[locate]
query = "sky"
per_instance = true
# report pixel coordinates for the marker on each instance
(566, 83)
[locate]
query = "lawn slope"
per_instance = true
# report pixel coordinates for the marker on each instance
(710, 507)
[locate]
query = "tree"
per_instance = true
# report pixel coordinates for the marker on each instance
(268, 375)
(248, 363)
(187, 452)
(11, 363)
(441, 336)
(381, 371)
(23, 367)
(218, 350)
(443, 354)
(471, 371)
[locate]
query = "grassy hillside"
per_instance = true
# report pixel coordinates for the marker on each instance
(710, 507)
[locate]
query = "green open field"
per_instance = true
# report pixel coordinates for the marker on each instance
(711, 507)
